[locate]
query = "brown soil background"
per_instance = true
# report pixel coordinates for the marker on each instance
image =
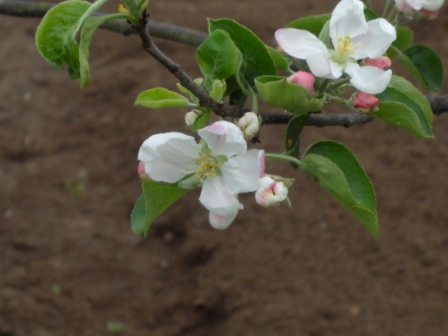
(69, 265)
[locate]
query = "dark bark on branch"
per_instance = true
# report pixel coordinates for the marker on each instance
(157, 29)
(205, 100)
(439, 104)
(319, 119)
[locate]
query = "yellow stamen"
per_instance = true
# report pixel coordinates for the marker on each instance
(344, 48)
(207, 167)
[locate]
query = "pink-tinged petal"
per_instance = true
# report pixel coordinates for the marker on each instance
(304, 79)
(240, 173)
(299, 43)
(221, 222)
(368, 79)
(365, 102)
(432, 5)
(320, 65)
(270, 192)
(168, 157)
(261, 162)
(224, 138)
(218, 200)
(347, 19)
(376, 41)
(382, 62)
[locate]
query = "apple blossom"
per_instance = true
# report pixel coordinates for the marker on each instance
(353, 39)
(249, 124)
(304, 79)
(270, 192)
(222, 164)
(406, 6)
(365, 102)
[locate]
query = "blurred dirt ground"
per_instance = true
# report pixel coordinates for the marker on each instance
(70, 265)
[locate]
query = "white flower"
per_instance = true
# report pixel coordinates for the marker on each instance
(353, 39)
(223, 166)
(270, 192)
(431, 5)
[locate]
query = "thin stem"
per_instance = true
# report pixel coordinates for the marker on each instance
(387, 8)
(283, 157)
(204, 98)
(254, 102)
(337, 84)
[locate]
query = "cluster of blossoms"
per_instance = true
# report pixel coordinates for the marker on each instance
(222, 164)
(357, 51)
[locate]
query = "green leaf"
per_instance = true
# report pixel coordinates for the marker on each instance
(54, 37)
(138, 217)
(281, 63)
(313, 24)
(425, 65)
(370, 14)
(277, 92)
(157, 197)
(89, 26)
(405, 106)
(202, 120)
(158, 98)
(292, 137)
(404, 39)
(256, 60)
(218, 56)
(338, 172)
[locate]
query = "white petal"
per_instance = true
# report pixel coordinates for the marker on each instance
(368, 79)
(415, 4)
(220, 222)
(219, 201)
(241, 173)
(376, 41)
(299, 43)
(320, 65)
(347, 19)
(224, 138)
(432, 4)
(168, 156)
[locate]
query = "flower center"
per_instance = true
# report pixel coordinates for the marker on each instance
(208, 166)
(344, 48)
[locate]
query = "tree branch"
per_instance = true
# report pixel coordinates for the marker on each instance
(157, 29)
(439, 104)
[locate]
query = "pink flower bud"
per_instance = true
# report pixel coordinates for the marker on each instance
(380, 62)
(304, 79)
(270, 192)
(141, 171)
(365, 102)
(249, 124)
(428, 14)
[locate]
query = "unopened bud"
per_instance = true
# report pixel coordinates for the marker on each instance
(304, 79)
(249, 124)
(270, 192)
(365, 102)
(382, 62)
(428, 14)
(190, 117)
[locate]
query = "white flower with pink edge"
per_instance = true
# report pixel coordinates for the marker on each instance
(222, 164)
(353, 39)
